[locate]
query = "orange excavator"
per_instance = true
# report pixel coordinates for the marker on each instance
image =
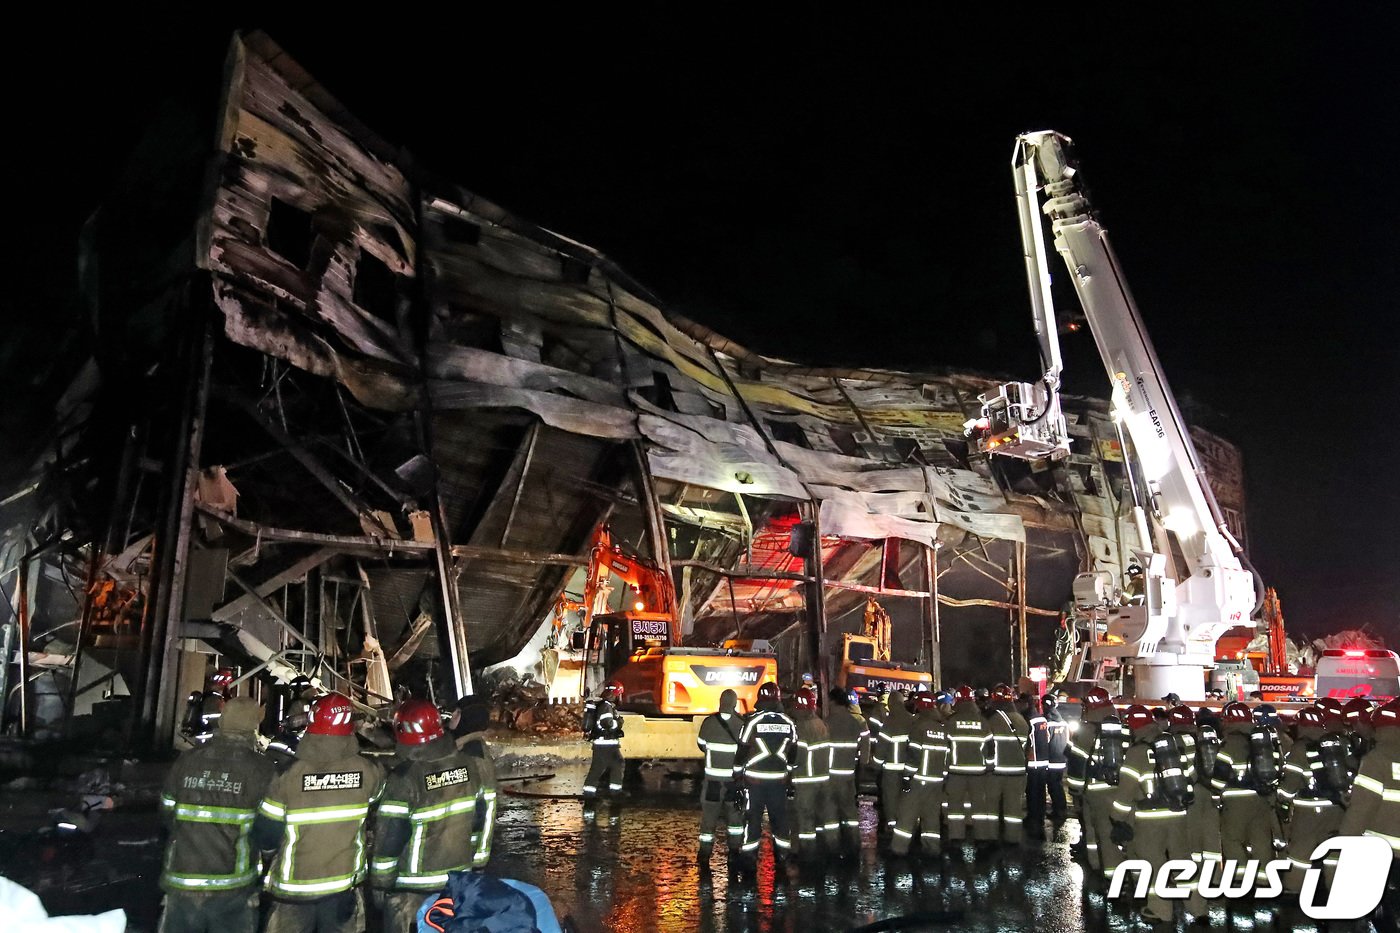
(630, 634)
(1275, 682)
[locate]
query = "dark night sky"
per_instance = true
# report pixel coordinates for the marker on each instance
(839, 192)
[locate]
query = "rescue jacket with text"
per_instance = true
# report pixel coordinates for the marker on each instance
(719, 740)
(972, 749)
(928, 748)
(812, 764)
(767, 746)
(314, 814)
(209, 802)
(426, 823)
(846, 730)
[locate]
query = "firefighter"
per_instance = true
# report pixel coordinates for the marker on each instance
(210, 798)
(427, 822)
(283, 747)
(603, 727)
(810, 775)
(1357, 711)
(893, 747)
(970, 756)
(1006, 788)
(1037, 766)
(1149, 806)
(1314, 786)
(873, 707)
(314, 816)
(1196, 745)
(922, 807)
(1057, 758)
(1247, 769)
(1095, 756)
(1374, 809)
(847, 732)
(719, 742)
(764, 765)
(203, 708)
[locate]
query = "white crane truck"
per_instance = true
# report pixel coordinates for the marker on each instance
(1154, 631)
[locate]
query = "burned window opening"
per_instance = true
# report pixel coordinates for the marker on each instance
(787, 432)
(659, 392)
(908, 450)
(289, 232)
(959, 451)
(469, 329)
(376, 288)
(845, 442)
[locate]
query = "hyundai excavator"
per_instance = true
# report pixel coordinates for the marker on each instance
(1152, 629)
(667, 689)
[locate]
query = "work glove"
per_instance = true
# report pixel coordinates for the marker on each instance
(1122, 833)
(731, 793)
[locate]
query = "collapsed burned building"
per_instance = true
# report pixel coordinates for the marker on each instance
(347, 418)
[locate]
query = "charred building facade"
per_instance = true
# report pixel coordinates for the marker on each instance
(351, 420)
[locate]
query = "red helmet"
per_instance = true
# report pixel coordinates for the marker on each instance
(330, 715)
(806, 700)
(222, 678)
(1333, 714)
(769, 691)
(1309, 716)
(1003, 692)
(417, 722)
(924, 701)
(809, 690)
(1097, 698)
(1387, 715)
(1138, 717)
(1357, 710)
(1236, 712)
(1181, 716)
(612, 690)
(965, 693)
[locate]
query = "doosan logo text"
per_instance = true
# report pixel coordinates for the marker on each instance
(1363, 862)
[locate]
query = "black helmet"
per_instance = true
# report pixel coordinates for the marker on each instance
(769, 691)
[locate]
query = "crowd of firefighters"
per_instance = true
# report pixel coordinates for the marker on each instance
(1229, 789)
(330, 822)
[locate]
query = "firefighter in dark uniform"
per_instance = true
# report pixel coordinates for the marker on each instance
(893, 745)
(1312, 792)
(208, 804)
(467, 726)
(767, 750)
(1149, 807)
(873, 708)
(1006, 787)
(1037, 767)
(1095, 756)
(847, 732)
(719, 742)
(810, 774)
(1374, 809)
(921, 808)
(314, 816)
(970, 756)
(603, 727)
(1247, 770)
(426, 823)
(1058, 758)
(1196, 745)
(203, 708)
(283, 747)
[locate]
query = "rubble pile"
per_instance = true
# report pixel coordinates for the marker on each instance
(523, 706)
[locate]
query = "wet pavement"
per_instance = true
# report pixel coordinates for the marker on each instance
(630, 865)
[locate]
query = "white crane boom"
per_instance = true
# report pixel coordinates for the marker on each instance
(1194, 585)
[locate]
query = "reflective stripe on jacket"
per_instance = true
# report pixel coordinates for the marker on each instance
(766, 746)
(427, 819)
(1010, 733)
(719, 740)
(846, 730)
(928, 748)
(322, 802)
(970, 741)
(812, 763)
(209, 802)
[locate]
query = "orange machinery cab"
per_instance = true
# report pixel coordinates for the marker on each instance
(660, 679)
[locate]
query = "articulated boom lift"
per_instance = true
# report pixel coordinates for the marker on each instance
(1191, 583)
